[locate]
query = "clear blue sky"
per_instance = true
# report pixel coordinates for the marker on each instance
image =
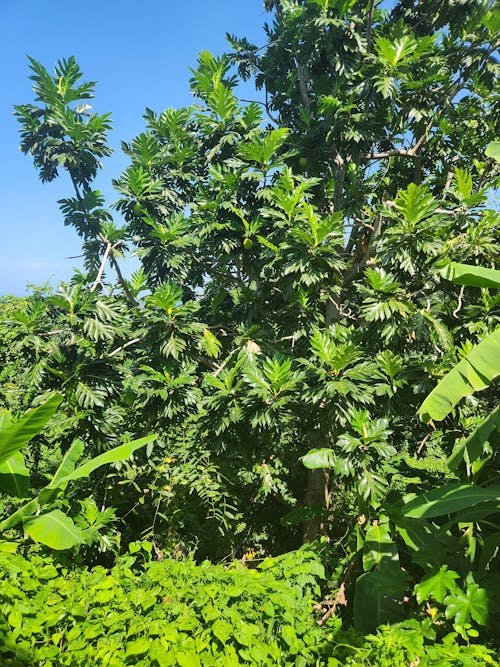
(140, 54)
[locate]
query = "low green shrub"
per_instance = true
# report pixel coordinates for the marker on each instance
(407, 644)
(177, 613)
(171, 613)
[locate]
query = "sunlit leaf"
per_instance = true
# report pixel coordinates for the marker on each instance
(474, 276)
(112, 456)
(449, 499)
(462, 606)
(473, 373)
(473, 446)
(14, 476)
(436, 586)
(493, 150)
(54, 529)
(17, 434)
(319, 458)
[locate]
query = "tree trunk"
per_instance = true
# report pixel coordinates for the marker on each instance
(316, 495)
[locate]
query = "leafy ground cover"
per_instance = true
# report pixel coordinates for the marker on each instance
(172, 613)
(179, 613)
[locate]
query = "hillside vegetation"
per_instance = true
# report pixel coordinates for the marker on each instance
(277, 441)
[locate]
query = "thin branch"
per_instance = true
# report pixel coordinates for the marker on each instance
(124, 346)
(112, 259)
(338, 190)
(123, 282)
(351, 273)
(407, 152)
(459, 305)
(421, 445)
(210, 268)
(340, 599)
(423, 138)
(369, 26)
(275, 120)
(75, 185)
(302, 85)
(97, 281)
(263, 104)
(449, 177)
(105, 291)
(220, 368)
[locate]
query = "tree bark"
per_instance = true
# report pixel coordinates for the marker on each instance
(316, 495)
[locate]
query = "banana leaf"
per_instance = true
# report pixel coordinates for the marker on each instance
(473, 373)
(14, 476)
(473, 446)
(449, 499)
(15, 436)
(473, 276)
(54, 529)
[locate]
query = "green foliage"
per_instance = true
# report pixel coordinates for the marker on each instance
(173, 612)
(479, 367)
(62, 135)
(449, 499)
(357, 457)
(436, 586)
(474, 276)
(406, 643)
(54, 528)
(14, 436)
(473, 373)
(293, 306)
(493, 150)
(380, 588)
(471, 448)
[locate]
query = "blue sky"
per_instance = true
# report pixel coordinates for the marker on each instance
(140, 54)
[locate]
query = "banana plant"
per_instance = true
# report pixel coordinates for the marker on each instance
(476, 371)
(464, 504)
(53, 528)
(480, 367)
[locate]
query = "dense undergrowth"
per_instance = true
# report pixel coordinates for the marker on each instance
(178, 613)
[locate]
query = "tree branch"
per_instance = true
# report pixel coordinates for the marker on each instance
(408, 152)
(263, 104)
(423, 138)
(124, 346)
(459, 304)
(338, 190)
(302, 85)
(369, 26)
(97, 281)
(275, 120)
(123, 282)
(112, 258)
